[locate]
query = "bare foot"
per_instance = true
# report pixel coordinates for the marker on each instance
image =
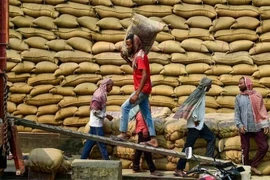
(256, 171)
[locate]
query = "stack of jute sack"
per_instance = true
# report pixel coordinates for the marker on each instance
(59, 51)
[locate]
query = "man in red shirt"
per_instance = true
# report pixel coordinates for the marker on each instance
(143, 136)
(142, 86)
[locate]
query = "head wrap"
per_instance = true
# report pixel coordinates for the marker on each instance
(192, 102)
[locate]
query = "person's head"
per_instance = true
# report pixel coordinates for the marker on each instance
(129, 43)
(133, 44)
(245, 84)
(108, 83)
(206, 83)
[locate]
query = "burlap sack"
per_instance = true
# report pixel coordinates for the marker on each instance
(47, 109)
(236, 11)
(64, 91)
(244, 69)
(44, 22)
(261, 59)
(20, 87)
(175, 129)
(45, 67)
(241, 45)
(37, 42)
(75, 9)
(146, 29)
(262, 71)
(87, 67)
(164, 90)
(66, 21)
(246, 23)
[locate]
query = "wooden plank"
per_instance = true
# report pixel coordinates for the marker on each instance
(68, 132)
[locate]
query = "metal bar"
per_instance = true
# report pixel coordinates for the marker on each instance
(32, 124)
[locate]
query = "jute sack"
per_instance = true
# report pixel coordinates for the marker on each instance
(67, 33)
(264, 27)
(145, 2)
(154, 10)
(161, 164)
(45, 78)
(192, 57)
(45, 159)
(23, 67)
(47, 109)
(199, 22)
(15, 2)
(237, 11)
(200, 143)
(184, 90)
(80, 44)
(12, 77)
(228, 79)
(175, 129)
(89, 22)
(234, 143)
(197, 68)
(73, 56)
(20, 87)
(49, 119)
(225, 110)
(38, 55)
(74, 80)
(66, 21)
(263, 71)
(264, 12)
(216, 46)
(10, 65)
(163, 36)
(171, 46)
(75, 9)
(13, 56)
(127, 89)
(114, 109)
(199, 33)
(163, 90)
(164, 80)
(43, 99)
(17, 44)
(110, 69)
(246, 23)
(54, 2)
(227, 127)
(211, 102)
(125, 22)
(265, 81)
(23, 21)
(239, 2)
(233, 58)
(161, 58)
(226, 101)
(265, 37)
(28, 32)
(241, 45)
(24, 109)
(159, 19)
(15, 11)
(190, 10)
(159, 113)
(64, 91)
(146, 29)
(41, 89)
(101, 2)
(265, 92)
(155, 68)
(37, 42)
(244, 69)
(11, 107)
(127, 3)
(264, 166)
(260, 48)
(193, 44)
(261, 59)
(118, 12)
(82, 111)
(174, 69)
(222, 23)
(109, 23)
(95, 152)
(109, 58)
(14, 34)
(87, 67)
(230, 35)
(175, 22)
(123, 152)
(231, 90)
(16, 98)
(44, 22)
(115, 91)
(116, 99)
(215, 90)
(85, 88)
(100, 47)
(121, 80)
(214, 2)
(127, 69)
(34, 10)
(44, 67)
(158, 100)
(75, 121)
(65, 112)
(65, 69)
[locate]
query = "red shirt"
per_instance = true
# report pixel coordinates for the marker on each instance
(137, 74)
(140, 124)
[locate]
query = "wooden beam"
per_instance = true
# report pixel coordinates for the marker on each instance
(106, 140)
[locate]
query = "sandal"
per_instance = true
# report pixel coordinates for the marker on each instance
(149, 143)
(119, 138)
(156, 173)
(180, 173)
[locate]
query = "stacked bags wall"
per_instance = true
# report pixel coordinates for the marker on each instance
(59, 50)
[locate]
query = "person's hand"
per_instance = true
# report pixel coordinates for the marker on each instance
(133, 98)
(196, 123)
(109, 117)
(242, 130)
(124, 56)
(266, 130)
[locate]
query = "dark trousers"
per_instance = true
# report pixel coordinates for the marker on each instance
(192, 135)
(261, 141)
(89, 144)
(147, 155)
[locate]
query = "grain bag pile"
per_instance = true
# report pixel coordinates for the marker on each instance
(59, 51)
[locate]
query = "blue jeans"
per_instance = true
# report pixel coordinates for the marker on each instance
(192, 135)
(143, 103)
(89, 144)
